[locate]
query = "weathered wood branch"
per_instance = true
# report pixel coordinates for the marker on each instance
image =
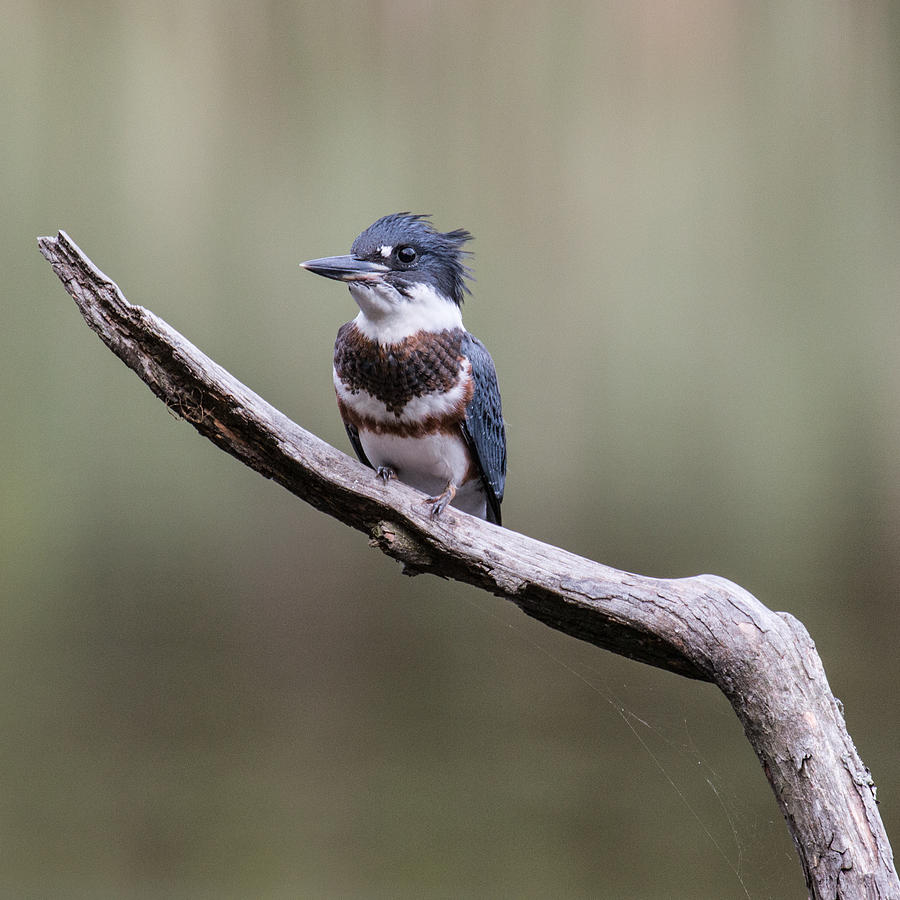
(702, 627)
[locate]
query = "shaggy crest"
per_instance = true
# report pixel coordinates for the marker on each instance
(440, 254)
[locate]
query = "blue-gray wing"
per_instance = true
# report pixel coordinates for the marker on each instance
(353, 434)
(483, 426)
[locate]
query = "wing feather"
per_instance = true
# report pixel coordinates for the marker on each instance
(483, 426)
(353, 434)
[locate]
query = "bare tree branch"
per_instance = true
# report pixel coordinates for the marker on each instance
(703, 627)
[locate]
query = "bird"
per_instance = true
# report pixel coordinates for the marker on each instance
(417, 393)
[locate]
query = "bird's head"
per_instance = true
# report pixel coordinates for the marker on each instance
(403, 273)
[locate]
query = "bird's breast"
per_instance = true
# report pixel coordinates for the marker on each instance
(416, 386)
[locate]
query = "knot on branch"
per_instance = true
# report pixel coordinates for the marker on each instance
(402, 545)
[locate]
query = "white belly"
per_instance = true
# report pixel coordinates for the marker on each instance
(429, 464)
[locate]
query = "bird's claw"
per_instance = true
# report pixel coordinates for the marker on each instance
(385, 473)
(441, 501)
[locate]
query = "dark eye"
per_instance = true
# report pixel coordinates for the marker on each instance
(406, 255)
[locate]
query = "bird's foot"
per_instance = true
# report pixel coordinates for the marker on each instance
(385, 473)
(440, 503)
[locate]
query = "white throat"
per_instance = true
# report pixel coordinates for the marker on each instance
(388, 317)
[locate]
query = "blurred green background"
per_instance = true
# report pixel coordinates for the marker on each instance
(687, 231)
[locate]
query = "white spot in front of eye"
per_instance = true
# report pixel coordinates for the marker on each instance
(386, 250)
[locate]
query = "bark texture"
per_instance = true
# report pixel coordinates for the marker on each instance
(703, 627)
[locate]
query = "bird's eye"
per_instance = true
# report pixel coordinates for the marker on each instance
(406, 255)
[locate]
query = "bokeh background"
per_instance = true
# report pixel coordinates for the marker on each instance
(687, 232)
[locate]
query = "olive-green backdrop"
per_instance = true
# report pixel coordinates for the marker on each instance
(687, 232)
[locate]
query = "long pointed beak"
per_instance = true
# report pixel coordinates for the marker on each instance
(345, 268)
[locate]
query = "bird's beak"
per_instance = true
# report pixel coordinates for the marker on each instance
(346, 268)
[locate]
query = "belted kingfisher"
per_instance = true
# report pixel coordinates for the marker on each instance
(417, 393)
